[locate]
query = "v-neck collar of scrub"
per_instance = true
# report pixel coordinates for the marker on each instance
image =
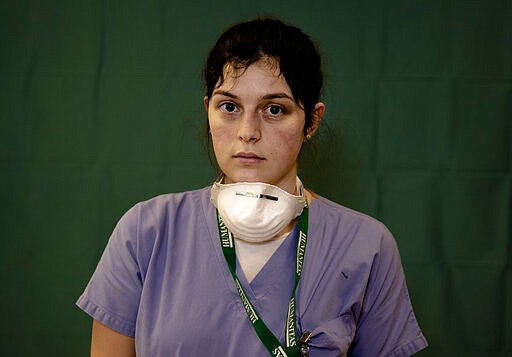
(272, 304)
(274, 271)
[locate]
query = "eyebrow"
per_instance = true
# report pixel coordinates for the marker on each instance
(265, 97)
(277, 96)
(224, 93)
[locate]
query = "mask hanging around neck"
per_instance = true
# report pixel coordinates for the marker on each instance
(254, 211)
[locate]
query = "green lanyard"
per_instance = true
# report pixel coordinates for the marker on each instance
(266, 336)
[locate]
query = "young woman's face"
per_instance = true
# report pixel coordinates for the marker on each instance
(256, 126)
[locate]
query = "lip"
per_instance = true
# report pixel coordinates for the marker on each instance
(247, 157)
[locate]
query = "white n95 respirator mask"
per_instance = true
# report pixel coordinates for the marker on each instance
(254, 211)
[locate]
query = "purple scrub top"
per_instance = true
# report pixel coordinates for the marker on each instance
(163, 280)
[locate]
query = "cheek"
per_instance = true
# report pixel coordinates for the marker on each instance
(213, 128)
(219, 137)
(216, 139)
(286, 143)
(218, 130)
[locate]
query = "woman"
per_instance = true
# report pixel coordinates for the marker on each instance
(254, 265)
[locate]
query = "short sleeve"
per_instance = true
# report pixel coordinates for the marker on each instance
(387, 325)
(113, 293)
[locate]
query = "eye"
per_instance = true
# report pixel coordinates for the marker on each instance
(228, 107)
(275, 110)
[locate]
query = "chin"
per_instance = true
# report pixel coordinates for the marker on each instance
(249, 177)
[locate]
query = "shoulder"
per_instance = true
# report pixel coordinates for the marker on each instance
(168, 206)
(326, 206)
(159, 216)
(343, 223)
(174, 201)
(151, 225)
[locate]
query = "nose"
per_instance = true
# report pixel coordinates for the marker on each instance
(249, 128)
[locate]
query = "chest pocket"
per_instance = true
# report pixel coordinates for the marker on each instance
(332, 338)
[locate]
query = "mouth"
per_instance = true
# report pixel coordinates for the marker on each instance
(248, 157)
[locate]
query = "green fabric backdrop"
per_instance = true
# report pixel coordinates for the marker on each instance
(100, 107)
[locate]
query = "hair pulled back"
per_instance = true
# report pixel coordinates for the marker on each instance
(294, 53)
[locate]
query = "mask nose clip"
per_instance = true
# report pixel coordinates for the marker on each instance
(268, 197)
(256, 195)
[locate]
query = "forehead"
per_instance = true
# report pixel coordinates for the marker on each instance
(262, 75)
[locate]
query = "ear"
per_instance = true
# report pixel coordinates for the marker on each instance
(316, 118)
(205, 103)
